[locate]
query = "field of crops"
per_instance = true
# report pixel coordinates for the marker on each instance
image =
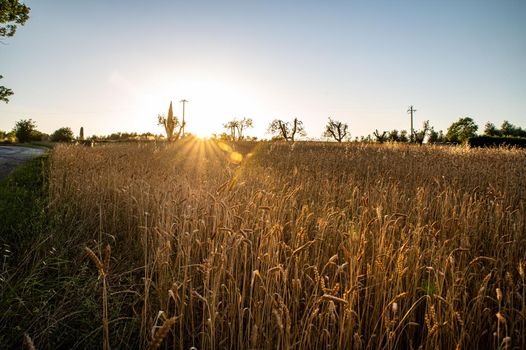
(305, 246)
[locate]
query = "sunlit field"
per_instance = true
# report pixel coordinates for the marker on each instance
(304, 246)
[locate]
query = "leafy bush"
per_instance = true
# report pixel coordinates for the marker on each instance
(39, 136)
(496, 141)
(461, 130)
(62, 135)
(25, 130)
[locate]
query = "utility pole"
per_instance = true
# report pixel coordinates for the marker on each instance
(411, 110)
(183, 101)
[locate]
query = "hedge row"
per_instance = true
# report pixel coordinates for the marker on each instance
(497, 141)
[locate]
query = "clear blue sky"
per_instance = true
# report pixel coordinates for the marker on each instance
(114, 65)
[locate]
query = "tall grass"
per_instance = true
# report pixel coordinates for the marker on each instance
(307, 246)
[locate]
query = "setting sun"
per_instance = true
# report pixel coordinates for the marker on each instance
(210, 103)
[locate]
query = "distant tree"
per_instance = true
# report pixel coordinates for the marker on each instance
(461, 130)
(231, 127)
(380, 138)
(146, 136)
(393, 136)
(366, 139)
(24, 130)
(403, 136)
(171, 123)
(238, 127)
(113, 136)
(435, 137)
(221, 137)
(81, 134)
(491, 130)
(285, 130)
(7, 136)
(11, 137)
(37, 135)
(62, 135)
(336, 129)
(421, 134)
(508, 129)
(12, 13)
(243, 124)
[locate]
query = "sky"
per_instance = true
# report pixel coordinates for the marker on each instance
(113, 66)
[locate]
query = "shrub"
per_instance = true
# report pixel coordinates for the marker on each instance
(39, 136)
(62, 135)
(24, 130)
(496, 141)
(461, 130)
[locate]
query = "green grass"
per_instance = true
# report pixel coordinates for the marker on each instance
(44, 290)
(22, 201)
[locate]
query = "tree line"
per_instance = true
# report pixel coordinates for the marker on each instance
(460, 131)
(25, 130)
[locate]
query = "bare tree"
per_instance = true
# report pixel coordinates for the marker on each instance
(336, 130)
(171, 123)
(279, 128)
(285, 130)
(238, 126)
(231, 127)
(380, 138)
(243, 124)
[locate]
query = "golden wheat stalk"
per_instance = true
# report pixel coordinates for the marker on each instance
(107, 255)
(333, 298)
(28, 342)
(161, 333)
(95, 260)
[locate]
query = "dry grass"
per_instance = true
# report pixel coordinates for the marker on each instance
(306, 247)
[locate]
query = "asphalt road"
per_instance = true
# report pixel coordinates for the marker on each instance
(12, 156)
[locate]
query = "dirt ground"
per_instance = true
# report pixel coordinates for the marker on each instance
(12, 156)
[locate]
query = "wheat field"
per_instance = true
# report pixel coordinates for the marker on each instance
(305, 246)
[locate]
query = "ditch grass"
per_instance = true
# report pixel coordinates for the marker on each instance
(44, 293)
